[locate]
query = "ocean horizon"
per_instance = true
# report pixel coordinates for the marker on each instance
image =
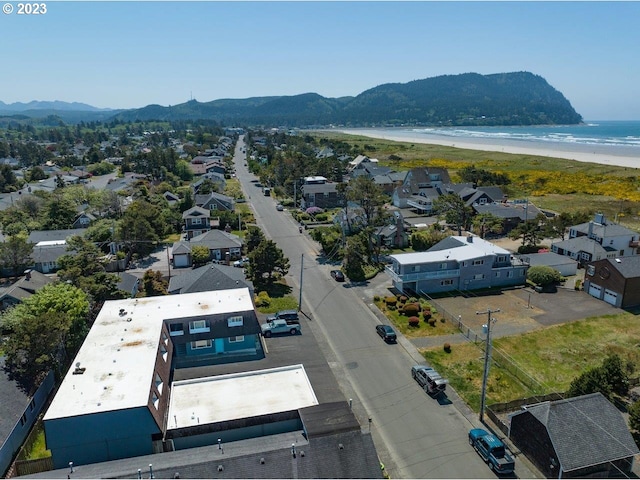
(591, 140)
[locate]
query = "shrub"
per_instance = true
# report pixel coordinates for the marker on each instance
(410, 310)
(432, 322)
(447, 347)
(402, 299)
(543, 275)
(413, 300)
(263, 299)
(391, 301)
(578, 285)
(414, 321)
(376, 298)
(426, 315)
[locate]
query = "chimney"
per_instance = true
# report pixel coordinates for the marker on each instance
(27, 274)
(469, 238)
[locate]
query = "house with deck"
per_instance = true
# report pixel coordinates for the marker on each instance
(456, 263)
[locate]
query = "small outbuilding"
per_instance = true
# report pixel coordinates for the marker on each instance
(576, 437)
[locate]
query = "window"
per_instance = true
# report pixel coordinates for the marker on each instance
(478, 276)
(443, 266)
(23, 419)
(175, 329)
(156, 401)
(591, 270)
(32, 405)
(522, 273)
(414, 268)
(497, 274)
(510, 274)
(446, 282)
(196, 221)
(213, 206)
(236, 339)
(163, 352)
(502, 258)
(236, 321)
(477, 262)
(464, 264)
(198, 326)
(198, 344)
(159, 383)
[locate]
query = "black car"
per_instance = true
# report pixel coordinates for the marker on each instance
(337, 275)
(386, 333)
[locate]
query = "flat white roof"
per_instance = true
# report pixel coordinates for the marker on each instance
(120, 351)
(478, 248)
(239, 395)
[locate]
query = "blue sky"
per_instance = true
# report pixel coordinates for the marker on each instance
(128, 55)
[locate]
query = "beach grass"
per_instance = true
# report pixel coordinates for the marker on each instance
(556, 184)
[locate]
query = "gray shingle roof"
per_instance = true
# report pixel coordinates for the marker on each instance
(586, 430)
(629, 267)
(209, 277)
(13, 401)
(581, 244)
(217, 239)
(52, 235)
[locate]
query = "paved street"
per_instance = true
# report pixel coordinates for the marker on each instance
(416, 436)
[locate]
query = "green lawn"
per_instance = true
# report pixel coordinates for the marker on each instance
(553, 357)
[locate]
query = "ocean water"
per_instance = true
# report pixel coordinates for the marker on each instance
(617, 134)
(605, 142)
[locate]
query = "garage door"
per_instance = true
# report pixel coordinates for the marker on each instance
(595, 290)
(610, 297)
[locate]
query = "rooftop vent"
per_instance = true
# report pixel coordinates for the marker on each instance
(261, 460)
(79, 370)
(340, 446)
(220, 468)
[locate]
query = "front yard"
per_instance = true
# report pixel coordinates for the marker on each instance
(434, 325)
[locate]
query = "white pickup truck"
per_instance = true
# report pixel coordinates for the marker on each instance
(279, 326)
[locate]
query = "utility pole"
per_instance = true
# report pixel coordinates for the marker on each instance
(301, 270)
(487, 356)
(168, 262)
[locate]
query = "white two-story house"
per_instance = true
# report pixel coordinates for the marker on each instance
(456, 263)
(598, 239)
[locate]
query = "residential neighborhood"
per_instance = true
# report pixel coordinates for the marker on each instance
(137, 290)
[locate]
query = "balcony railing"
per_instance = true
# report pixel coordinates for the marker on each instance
(412, 277)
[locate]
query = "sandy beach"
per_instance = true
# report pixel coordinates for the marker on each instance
(620, 157)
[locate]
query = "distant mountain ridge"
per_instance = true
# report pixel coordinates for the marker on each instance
(54, 105)
(518, 98)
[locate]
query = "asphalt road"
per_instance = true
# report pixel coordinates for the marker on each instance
(416, 436)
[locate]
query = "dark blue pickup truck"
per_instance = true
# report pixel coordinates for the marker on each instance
(492, 450)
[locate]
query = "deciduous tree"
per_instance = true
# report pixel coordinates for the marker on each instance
(15, 253)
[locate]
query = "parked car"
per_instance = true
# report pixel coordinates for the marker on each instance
(492, 451)
(337, 275)
(289, 316)
(241, 263)
(279, 326)
(430, 380)
(386, 333)
(279, 207)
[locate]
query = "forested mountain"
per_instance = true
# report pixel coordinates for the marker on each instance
(520, 98)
